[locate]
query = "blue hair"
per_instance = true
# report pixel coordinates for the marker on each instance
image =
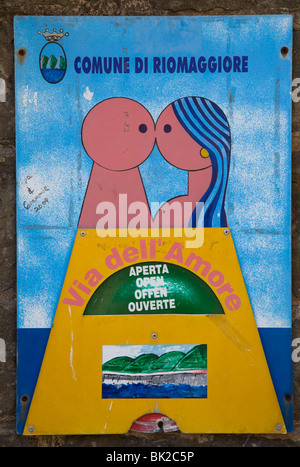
(206, 123)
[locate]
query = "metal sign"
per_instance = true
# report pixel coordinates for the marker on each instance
(153, 221)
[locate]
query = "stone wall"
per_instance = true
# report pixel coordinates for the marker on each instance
(10, 8)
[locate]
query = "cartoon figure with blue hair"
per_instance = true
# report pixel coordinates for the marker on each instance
(193, 134)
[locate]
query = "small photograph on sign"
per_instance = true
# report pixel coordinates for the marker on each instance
(148, 371)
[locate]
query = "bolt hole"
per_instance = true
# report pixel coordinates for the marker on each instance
(284, 51)
(22, 52)
(288, 397)
(24, 399)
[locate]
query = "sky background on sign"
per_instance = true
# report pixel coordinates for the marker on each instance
(49, 148)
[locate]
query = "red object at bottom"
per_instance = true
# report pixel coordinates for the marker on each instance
(154, 423)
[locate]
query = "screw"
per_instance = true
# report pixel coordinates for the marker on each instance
(226, 232)
(22, 52)
(31, 428)
(83, 233)
(278, 427)
(154, 335)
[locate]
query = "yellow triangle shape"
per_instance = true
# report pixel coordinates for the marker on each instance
(240, 393)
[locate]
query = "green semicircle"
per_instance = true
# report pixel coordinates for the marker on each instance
(178, 291)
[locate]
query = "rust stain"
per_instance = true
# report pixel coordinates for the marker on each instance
(21, 55)
(284, 51)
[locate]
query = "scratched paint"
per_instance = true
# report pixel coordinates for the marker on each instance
(53, 168)
(256, 203)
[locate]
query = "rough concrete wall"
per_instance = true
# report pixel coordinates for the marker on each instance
(10, 8)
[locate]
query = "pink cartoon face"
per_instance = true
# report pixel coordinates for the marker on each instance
(177, 146)
(118, 134)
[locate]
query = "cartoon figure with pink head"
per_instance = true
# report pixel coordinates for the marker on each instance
(192, 134)
(118, 134)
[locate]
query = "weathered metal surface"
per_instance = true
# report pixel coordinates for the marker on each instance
(77, 112)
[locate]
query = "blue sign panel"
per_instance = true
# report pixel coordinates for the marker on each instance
(148, 110)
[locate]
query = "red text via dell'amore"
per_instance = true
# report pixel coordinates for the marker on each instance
(79, 291)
